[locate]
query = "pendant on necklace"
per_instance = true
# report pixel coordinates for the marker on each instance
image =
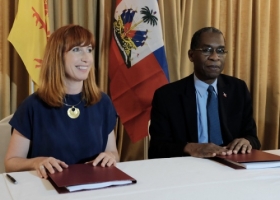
(73, 112)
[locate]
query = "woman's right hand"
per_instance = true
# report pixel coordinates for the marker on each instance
(50, 164)
(16, 158)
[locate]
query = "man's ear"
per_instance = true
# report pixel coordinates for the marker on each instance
(190, 54)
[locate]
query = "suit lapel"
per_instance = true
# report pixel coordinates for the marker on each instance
(188, 100)
(223, 105)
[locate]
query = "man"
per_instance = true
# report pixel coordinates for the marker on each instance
(180, 124)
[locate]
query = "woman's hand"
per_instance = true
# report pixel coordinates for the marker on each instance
(105, 158)
(16, 158)
(44, 164)
(110, 156)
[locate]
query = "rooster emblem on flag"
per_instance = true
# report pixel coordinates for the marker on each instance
(127, 33)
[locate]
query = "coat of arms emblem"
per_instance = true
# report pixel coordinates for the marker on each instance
(127, 34)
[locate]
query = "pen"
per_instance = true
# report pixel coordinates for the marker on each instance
(14, 181)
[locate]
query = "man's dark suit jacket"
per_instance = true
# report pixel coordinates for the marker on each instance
(174, 116)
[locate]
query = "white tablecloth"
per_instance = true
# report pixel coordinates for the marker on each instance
(172, 178)
(4, 192)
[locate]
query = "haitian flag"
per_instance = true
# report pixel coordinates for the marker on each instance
(29, 34)
(137, 65)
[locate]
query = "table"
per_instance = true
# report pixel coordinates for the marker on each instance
(170, 178)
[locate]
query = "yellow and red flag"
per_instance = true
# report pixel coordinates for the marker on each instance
(137, 65)
(29, 34)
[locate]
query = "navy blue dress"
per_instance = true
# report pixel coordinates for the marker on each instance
(53, 133)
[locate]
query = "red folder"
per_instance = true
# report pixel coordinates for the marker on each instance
(255, 160)
(86, 176)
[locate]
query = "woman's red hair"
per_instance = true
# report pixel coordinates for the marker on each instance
(52, 75)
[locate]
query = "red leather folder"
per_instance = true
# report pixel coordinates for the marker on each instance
(87, 175)
(255, 160)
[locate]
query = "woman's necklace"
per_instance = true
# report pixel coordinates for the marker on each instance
(72, 112)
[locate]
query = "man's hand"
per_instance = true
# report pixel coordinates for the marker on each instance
(205, 150)
(240, 144)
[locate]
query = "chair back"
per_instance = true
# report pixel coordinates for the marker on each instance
(5, 135)
(147, 143)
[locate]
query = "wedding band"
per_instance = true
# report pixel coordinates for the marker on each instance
(42, 167)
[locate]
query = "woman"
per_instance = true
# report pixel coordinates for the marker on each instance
(68, 120)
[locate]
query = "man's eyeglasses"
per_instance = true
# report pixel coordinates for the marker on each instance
(207, 51)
